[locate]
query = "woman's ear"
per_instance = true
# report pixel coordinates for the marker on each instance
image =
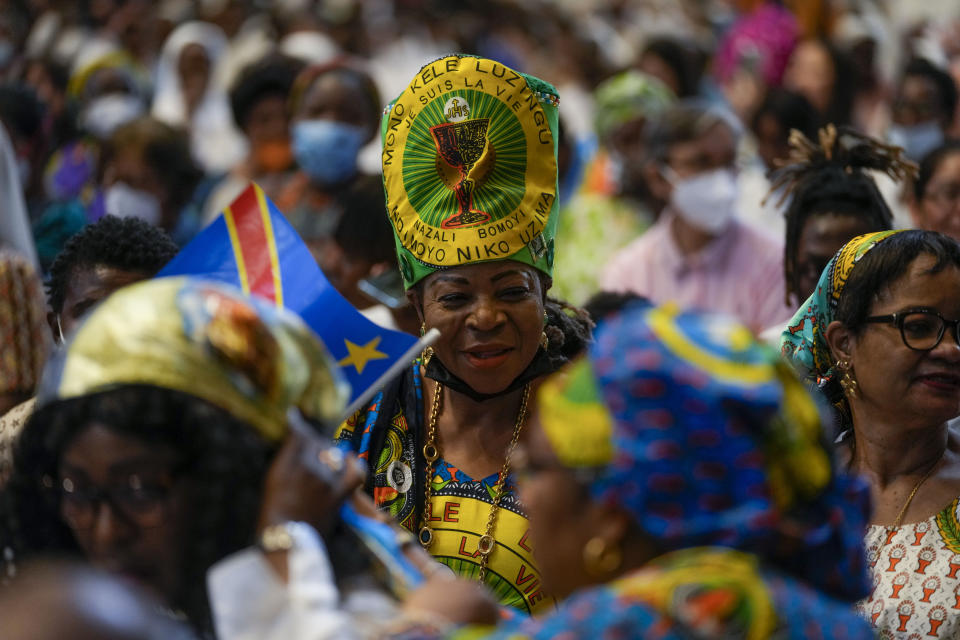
(545, 283)
(841, 340)
(413, 297)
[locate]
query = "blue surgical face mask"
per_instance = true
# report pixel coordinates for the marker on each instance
(917, 140)
(327, 150)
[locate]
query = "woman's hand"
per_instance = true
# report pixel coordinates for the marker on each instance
(454, 600)
(306, 482)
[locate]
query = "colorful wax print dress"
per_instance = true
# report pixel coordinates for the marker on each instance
(388, 436)
(916, 578)
(701, 592)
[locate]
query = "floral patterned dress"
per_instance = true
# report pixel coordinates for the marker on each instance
(916, 578)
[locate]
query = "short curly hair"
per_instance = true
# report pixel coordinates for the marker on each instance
(120, 243)
(272, 76)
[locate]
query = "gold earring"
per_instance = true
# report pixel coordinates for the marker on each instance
(599, 558)
(427, 353)
(544, 340)
(847, 382)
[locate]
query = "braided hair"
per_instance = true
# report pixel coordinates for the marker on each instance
(830, 177)
(569, 330)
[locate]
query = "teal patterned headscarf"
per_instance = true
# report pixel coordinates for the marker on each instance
(803, 341)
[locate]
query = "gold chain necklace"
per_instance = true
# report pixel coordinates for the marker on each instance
(916, 487)
(431, 452)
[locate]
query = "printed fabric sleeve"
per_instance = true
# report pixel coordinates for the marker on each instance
(599, 613)
(249, 602)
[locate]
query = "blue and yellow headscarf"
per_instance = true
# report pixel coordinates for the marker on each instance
(709, 439)
(803, 342)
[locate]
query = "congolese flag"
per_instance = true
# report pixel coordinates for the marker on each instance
(252, 246)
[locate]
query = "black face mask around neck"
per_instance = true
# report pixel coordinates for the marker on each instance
(542, 364)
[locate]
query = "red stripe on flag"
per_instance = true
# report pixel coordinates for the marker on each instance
(253, 243)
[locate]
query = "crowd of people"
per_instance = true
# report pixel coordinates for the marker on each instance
(695, 269)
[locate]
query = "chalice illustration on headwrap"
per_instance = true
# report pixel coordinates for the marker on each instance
(461, 144)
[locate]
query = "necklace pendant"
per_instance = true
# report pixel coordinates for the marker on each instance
(425, 536)
(486, 544)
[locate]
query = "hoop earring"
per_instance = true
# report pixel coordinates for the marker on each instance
(427, 353)
(847, 382)
(601, 559)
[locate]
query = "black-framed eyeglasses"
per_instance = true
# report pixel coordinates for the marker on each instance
(140, 501)
(920, 329)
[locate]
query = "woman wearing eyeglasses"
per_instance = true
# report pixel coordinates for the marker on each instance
(880, 337)
(154, 429)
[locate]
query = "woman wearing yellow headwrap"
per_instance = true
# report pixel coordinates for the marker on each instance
(153, 431)
(879, 335)
(470, 173)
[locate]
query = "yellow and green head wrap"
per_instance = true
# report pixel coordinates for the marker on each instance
(470, 167)
(207, 340)
(804, 341)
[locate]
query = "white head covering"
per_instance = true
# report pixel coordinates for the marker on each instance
(216, 143)
(311, 46)
(14, 221)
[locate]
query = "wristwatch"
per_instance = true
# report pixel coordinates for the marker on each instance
(286, 536)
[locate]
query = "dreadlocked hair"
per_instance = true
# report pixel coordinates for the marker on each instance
(222, 458)
(830, 177)
(569, 330)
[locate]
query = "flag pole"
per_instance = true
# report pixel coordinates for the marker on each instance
(401, 363)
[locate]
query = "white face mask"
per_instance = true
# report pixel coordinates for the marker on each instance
(105, 113)
(124, 201)
(917, 140)
(705, 200)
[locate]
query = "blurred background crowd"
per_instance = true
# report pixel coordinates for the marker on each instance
(165, 110)
(714, 153)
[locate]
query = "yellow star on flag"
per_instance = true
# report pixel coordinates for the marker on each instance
(359, 356)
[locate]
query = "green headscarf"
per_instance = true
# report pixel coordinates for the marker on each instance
(628, 96)
(470, 167)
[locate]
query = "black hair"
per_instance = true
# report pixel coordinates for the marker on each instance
(223, 457)
(569, 330)
(791, 109)
(129, 244)
(607, 303)
(930, 164)
(876, 271)
(348, 68)
(20, 111)
(683, 123)
(681, 60)
(364, 229)
(166, 150)
(840, 109)
(946, 87)
(887, 262)
(270, 77)
(830, 176)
